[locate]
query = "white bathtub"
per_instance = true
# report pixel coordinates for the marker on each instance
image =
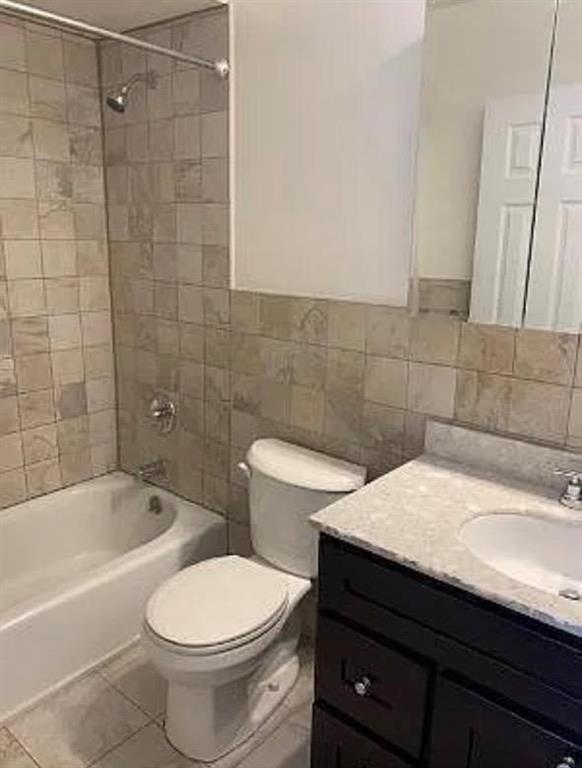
(76, 568)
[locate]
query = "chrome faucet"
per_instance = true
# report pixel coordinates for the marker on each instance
(572, 495)
(153, 470)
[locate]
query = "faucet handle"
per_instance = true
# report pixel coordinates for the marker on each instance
(572, 496)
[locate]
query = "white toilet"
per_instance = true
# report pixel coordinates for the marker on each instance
(224, 632)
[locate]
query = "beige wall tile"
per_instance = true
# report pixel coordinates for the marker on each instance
(47, 98)
(56, 220)
(387, 332)
(15, 135)
(40, 444)
(30, 335)
(435, 339)
(43, 477)
(19, 219)
(539, 410)
(26, 298)
(382, 426)
(487, 348)
(76, 467)
(187, 137)
(309, 367)
(9, 421)
(483, 399)
(307, 408)
(45, 55)
(431, 389)
(578, 376)
(67, 366)
(575, 421)
(214, 127)
(244, 309)
(345, 372)
(386, 381)
(22, 259)
(51, 140)
(33, 372)
(545, 356)
(12, 47)
(16, 178)
(347, 325)
(12, 487)
(62, 295)
(64, 332)
(14, 90)
(36, 408)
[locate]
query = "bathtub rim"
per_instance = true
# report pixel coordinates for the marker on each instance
(164, 542)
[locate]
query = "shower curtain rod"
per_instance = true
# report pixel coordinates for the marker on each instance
(220, 66)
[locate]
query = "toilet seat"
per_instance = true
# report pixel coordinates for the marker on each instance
(217, 605)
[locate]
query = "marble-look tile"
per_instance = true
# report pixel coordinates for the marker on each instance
(346, 325)
(539, 410)
(386, 381)
(12, 754)
(483, 399)
(575, 422)
(78, 725)
(288, 747)
(545, 356)
(431, 389)
(147, 748)
(345, 372)
(578, 375)
(435, 339)
(133, 674)
(487, 348)
(387, 332)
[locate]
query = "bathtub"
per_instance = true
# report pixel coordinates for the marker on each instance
(76, 568)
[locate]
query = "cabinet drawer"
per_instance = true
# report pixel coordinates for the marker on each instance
(336, 745)
(375, 685)
(470, 731)
(370, 591)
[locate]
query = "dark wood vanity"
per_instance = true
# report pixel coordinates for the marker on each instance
(413, 672)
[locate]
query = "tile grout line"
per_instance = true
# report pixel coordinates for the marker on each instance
(24, 749)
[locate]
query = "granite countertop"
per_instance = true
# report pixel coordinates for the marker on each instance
(413, 515)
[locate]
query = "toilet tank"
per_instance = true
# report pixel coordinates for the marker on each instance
(288, 484)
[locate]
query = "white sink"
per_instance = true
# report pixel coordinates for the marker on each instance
(546, 554)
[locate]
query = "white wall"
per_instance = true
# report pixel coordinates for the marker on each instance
(324, 101)
(475, 52)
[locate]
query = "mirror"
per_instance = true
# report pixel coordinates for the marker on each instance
(485, 75)
(554, 293)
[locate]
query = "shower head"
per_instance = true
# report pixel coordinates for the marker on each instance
(117, 101)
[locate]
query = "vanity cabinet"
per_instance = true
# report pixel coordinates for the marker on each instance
(413, 672)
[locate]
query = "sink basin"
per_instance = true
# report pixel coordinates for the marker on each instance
(546, 554)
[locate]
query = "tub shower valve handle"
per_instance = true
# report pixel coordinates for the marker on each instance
(163, 412)
(567, 762)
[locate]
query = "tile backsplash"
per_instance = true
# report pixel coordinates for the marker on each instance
(57, 394)
(355, 380)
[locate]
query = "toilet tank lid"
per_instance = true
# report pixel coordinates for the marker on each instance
(298, 466)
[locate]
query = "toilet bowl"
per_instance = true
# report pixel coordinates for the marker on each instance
(224, 632)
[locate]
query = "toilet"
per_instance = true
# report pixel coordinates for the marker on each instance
(224, 632)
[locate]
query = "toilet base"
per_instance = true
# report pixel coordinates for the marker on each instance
(207, 723)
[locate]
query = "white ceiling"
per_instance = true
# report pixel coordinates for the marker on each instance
(121, 15)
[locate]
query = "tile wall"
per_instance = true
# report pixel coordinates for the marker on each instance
(356, 381)
(57, 394)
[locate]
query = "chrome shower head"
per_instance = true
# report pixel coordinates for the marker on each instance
(117, 101)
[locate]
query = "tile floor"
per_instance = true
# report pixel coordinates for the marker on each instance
(112, 718)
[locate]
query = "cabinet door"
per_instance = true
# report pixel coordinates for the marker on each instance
(337, 745)
(472, 732)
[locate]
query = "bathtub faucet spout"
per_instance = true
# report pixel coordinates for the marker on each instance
(152, 471)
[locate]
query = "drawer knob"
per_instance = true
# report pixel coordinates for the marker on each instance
(363, 685)
(567, 762)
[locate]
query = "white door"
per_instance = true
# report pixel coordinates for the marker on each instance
(509, 168)
(554, 297)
